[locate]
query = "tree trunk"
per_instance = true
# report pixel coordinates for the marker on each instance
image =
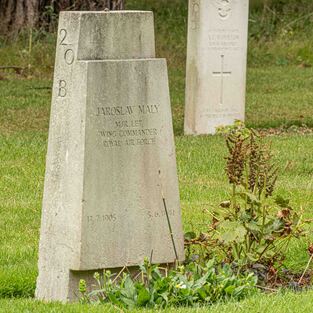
(18, 14)
(115, 4)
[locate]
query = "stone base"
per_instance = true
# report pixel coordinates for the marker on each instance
(73, 278)
(209, 126)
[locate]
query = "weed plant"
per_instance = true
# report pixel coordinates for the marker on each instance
(155, 287)
(252, 229)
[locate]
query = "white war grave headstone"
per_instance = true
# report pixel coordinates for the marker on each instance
(216, 64)
(111, 191)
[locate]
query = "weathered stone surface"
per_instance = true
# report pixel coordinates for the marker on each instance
(129, 164)
(116, 35)
(110, 160)
(216, 64)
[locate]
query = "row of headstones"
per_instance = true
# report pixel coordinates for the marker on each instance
(111, 193)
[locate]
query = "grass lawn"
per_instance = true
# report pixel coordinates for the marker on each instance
(281, 303)
(24, 115)
(279, 93)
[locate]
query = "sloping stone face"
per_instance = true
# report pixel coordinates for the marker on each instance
(111, 154)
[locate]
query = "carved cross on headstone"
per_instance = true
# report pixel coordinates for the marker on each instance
(222, 74)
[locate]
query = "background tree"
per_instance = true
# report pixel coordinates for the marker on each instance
(18, 14)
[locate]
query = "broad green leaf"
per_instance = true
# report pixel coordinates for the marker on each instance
(274, 226)
(233, 232)
(143, 297)
(130, 303)
(129, 290)
(251, 197)
(230, 289)
(202, 293)
(282, 202)
(254, 227)
(190, 235)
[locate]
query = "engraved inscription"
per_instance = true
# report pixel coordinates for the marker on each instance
(101, 218)
(124, 130)
(135, 123)
(128, 110)
(195, 14)
(69, 56)
(234, 115)
(159, 214)
(112, 218)
(221, 74)
(224, 39)
(129, 132)
(63, 35)
(62, 88)
(140, 142)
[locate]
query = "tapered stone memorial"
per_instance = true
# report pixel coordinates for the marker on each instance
(216, 64)
(111, 191)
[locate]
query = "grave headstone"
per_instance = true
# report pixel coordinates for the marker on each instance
(216, 64)
(111, 191)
